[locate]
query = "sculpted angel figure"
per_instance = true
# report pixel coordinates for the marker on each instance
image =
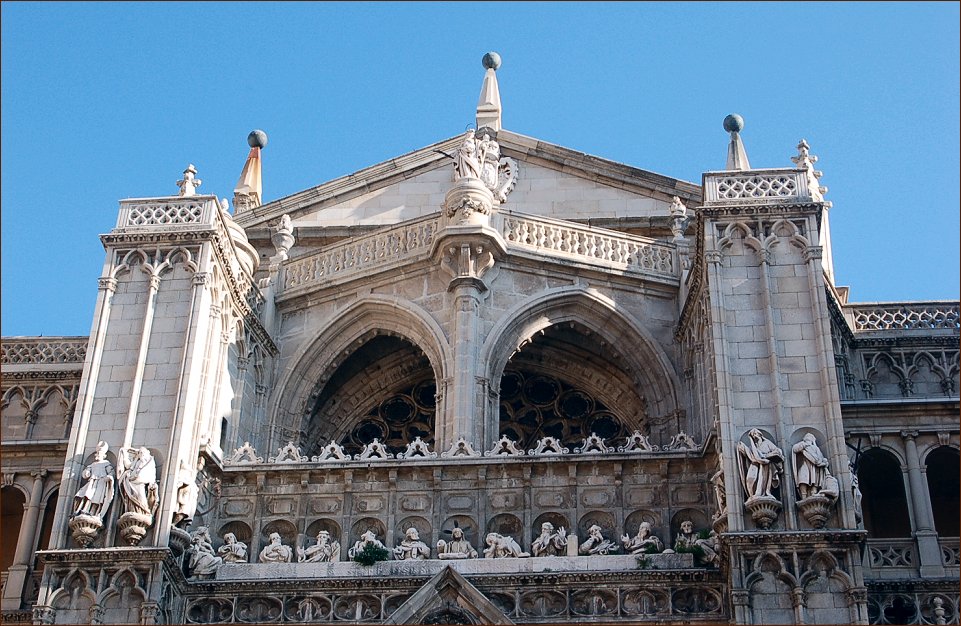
(644, 541)
(137, 477)
(466, 161)
(810, 466)
(550, 542)
(457, 548)
(502, 547)
(324, 551)
(411, 548)
(233, 551)
(276, 551)
(596, 543)
(760, 465)
(95, 495)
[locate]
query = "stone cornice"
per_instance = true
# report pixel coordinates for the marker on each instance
(794, 539)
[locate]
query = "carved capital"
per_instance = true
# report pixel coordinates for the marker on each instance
(106, 283)
(713, 256)
(44, 615)
(908, 435)
(201, 278)
(39, 474)
(8, 478)
(813, 252)
(764, 256)
(154, 282)
(944, 438)
(740, 597)
(798, 597)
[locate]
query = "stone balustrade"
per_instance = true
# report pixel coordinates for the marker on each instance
(950, 551)
(137, 213)
(761, 186)
(43, 350)
(890, 558)
(940, 314)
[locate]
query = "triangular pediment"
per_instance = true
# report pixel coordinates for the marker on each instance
(552, 181)
(448, 598)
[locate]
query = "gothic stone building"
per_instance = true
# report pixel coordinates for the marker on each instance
(497, 340)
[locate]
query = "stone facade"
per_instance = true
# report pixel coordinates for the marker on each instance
(537, 386)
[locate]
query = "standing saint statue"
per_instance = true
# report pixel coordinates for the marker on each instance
(137, 478)
(810, 466)
(760, 464)
(95, 495)
(466, 161)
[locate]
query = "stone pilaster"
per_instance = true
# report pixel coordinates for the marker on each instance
(929, 551)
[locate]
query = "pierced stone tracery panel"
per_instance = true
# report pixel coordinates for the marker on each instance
(397, 420)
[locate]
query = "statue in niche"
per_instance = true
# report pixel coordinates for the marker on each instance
(324, 551)
(188, 493)
(550, 542)
(596, 543)
(810, 467)
(276, 551)
(502, 547)
(856, 493)
(466, 161)
(137, 476)
(760, 464)
(203, 561)
(689, 541)
(96, 495)
(411, 548)
(233, 551)
(644, 542)
(457, 548)
(368, 538)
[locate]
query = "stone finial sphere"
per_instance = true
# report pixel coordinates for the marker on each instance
(491, 61)
(733, 123)
(257, 139)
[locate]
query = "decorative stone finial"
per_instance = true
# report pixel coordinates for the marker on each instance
(491, 61)
(188, 185)
(283, 237)
(249, 190)
(805, 161)
(736, 153)
(489, 103)
(678, 218)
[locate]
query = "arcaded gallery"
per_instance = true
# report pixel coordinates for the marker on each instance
(490, 381)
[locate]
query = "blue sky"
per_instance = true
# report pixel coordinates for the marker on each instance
(102, 101)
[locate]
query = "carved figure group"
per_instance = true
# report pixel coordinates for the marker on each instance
(645, 541)
(324, 551)
(96, 494)
(502, 547)
(550, 542)
(203, 561)
(761, 464)
(368, 538)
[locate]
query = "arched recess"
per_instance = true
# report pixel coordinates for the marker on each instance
(12, 501)
(379, 357)
(884, 504)
(943, 470)
(568, 362)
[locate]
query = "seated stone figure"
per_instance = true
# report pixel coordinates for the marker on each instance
(550, 542)
(324, 551)
(203, 562)
(501, 547)
(276, 551)
(233, 551)
(643, 542)
(368, 538)
(411, 548)
(457, 548)
(596, 543)
(687, 539)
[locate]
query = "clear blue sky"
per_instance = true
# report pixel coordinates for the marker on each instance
(102, 101)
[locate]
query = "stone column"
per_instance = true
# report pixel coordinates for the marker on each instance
(467, 299)
(929, 551)
(20, 569)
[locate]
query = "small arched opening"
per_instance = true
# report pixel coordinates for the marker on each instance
(884, 504)
(12, 501)
(944, 486)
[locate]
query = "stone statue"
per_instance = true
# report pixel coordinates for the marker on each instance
(488, 156)
(411, 548)
(233, 551)
(203, 562)
(276, 551)
(188, 494)
(760, 465)
(188, 186)
(550, 542)
(96, 495)
(856, 493)
(466, 162)
(457, 548)
(687, 540)
(137, 477)
(643, 542)
(596, 543)
(502, 547)
(810, 467)
(324, 551)
(369, 538)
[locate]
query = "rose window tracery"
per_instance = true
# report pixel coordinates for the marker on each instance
(397, 420)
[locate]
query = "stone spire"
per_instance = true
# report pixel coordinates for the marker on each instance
(489, 103)
(247, 194)
(736, 154)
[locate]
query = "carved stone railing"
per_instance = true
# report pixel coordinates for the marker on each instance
(904, 316)
(43, 350)
(765, 186)
(404, 242)
(900, 554)
(175, 211)
(564, 240)
(950, 551)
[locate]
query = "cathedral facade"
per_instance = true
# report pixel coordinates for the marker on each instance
(490, 381)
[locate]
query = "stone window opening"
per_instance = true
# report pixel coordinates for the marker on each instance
(884, 502)
(944, 486)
